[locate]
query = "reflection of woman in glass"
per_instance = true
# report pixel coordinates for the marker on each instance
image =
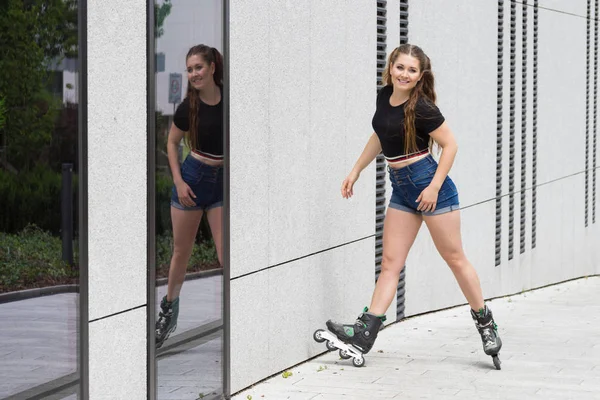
(406, 120)
(198, 185)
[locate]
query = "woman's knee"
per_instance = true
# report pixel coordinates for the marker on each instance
(182, 251)
(391, 266)
(456, 260)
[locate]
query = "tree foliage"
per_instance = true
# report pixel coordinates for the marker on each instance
(57, 27)
(161, 12)
(2, 112)
(33, 34)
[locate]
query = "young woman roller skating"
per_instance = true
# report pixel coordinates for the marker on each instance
(198, 183)
(406, 121)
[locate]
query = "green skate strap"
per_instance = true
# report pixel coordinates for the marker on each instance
(382, 317)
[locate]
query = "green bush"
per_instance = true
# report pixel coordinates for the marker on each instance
(33, 197)
(164, 183)
(32, 258)
(2, 112)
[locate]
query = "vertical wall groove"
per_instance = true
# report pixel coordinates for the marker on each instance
(499, 132)
(403, 21)
(380, 162)
(401, 290)
(523, 128)
(534, 128)
(595, 112)
(511, 156)
(587, 110)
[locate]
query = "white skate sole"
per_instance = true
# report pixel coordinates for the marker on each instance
(333, 343)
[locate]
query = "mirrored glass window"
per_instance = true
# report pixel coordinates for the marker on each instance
(39, 261)
(189, 198)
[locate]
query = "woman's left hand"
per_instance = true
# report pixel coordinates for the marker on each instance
(428, 199)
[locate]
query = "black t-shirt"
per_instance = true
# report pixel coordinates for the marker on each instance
(210, 125)
(388, 123)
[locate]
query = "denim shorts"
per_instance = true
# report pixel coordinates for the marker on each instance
(408, 183)
(206, 181)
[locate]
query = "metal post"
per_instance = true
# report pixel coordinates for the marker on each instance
(66, 207)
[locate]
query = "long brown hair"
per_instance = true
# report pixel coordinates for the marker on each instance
(209, 55)
(425, 87)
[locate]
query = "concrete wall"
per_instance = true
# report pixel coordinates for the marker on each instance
(301, 106)
(463, 49)
(117, 199)
(302, 97)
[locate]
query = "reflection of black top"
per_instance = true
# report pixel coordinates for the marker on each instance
(210, 126)
(388, 123)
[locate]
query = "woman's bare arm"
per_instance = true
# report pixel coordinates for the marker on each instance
(175, 136)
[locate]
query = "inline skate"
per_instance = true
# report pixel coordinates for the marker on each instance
(484, 321)
(167, 320)
(354, 340)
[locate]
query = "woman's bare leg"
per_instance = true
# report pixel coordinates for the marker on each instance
(215, 220)
(445, 232)
(400, 229)
(185, 227)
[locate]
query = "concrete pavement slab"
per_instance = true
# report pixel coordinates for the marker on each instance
(550, 351)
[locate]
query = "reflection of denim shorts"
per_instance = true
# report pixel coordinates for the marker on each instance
(206, 181)
(408, 183)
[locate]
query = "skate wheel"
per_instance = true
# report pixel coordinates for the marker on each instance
(330, 345)
(497, 362)
(344, 355)
(318, 336)
(358, 361)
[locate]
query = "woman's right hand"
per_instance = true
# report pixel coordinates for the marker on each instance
(185, 195)
(348, 184)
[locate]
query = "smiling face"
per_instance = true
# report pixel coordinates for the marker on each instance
(200, 73)
(405, 72)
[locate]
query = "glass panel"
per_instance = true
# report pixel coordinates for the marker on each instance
(39, 268)
(189, 194)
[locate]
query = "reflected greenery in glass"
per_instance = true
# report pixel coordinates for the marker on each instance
(38, 186)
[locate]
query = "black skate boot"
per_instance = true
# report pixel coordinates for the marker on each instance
(484, 321)
(362, 333)
(167, 320)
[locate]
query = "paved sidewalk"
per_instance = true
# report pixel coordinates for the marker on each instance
(197, 371)
(551, 351)
(201, 302)
(38, 340)
(193, 373)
